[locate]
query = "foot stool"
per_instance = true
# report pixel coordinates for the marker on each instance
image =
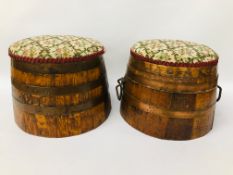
(169, 90)
(59, 85)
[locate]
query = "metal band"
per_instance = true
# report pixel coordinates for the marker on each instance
(136, 64)
(59, 90)
(190, 85)
(165, 79)
(60, 110)
(166, 91)
(53, 68)
(132, 101)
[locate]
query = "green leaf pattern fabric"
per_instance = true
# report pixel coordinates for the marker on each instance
(55, 47)
(174, 51)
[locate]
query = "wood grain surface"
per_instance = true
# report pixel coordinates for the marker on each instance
(60, 100)
(169, 102)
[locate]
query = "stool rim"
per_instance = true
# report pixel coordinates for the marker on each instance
(55, 60)
(165, 63)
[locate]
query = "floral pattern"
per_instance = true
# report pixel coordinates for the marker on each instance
(54, 47)
(174, 51)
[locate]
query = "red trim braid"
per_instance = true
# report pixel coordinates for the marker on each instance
(56, 60)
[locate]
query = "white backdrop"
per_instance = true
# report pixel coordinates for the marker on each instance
(115, 148)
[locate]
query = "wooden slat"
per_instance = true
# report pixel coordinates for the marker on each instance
(169, 102)
(55, 101)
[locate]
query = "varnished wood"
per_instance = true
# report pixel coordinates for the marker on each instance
(169, 102)
(61, 125)
(58, 103)
(55, 80)
(49, 68)
(179, 79)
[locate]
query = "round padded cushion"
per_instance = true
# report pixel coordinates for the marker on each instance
(54, 48)
(174, 52)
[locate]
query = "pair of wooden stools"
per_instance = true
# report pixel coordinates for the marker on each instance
(60, 87)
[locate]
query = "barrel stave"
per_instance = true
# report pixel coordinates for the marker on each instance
(60, 103)
(169, 102)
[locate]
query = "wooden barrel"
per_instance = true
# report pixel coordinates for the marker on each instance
(169, 100)
(59, 97)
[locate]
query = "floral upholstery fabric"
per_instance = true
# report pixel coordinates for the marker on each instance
(55, 47)
(174, 51)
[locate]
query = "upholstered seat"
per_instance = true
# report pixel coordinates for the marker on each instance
(174, 52)
(59, 85)
(49, 48)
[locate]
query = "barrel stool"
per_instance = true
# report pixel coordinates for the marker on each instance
(59, 85)
(169, 90)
